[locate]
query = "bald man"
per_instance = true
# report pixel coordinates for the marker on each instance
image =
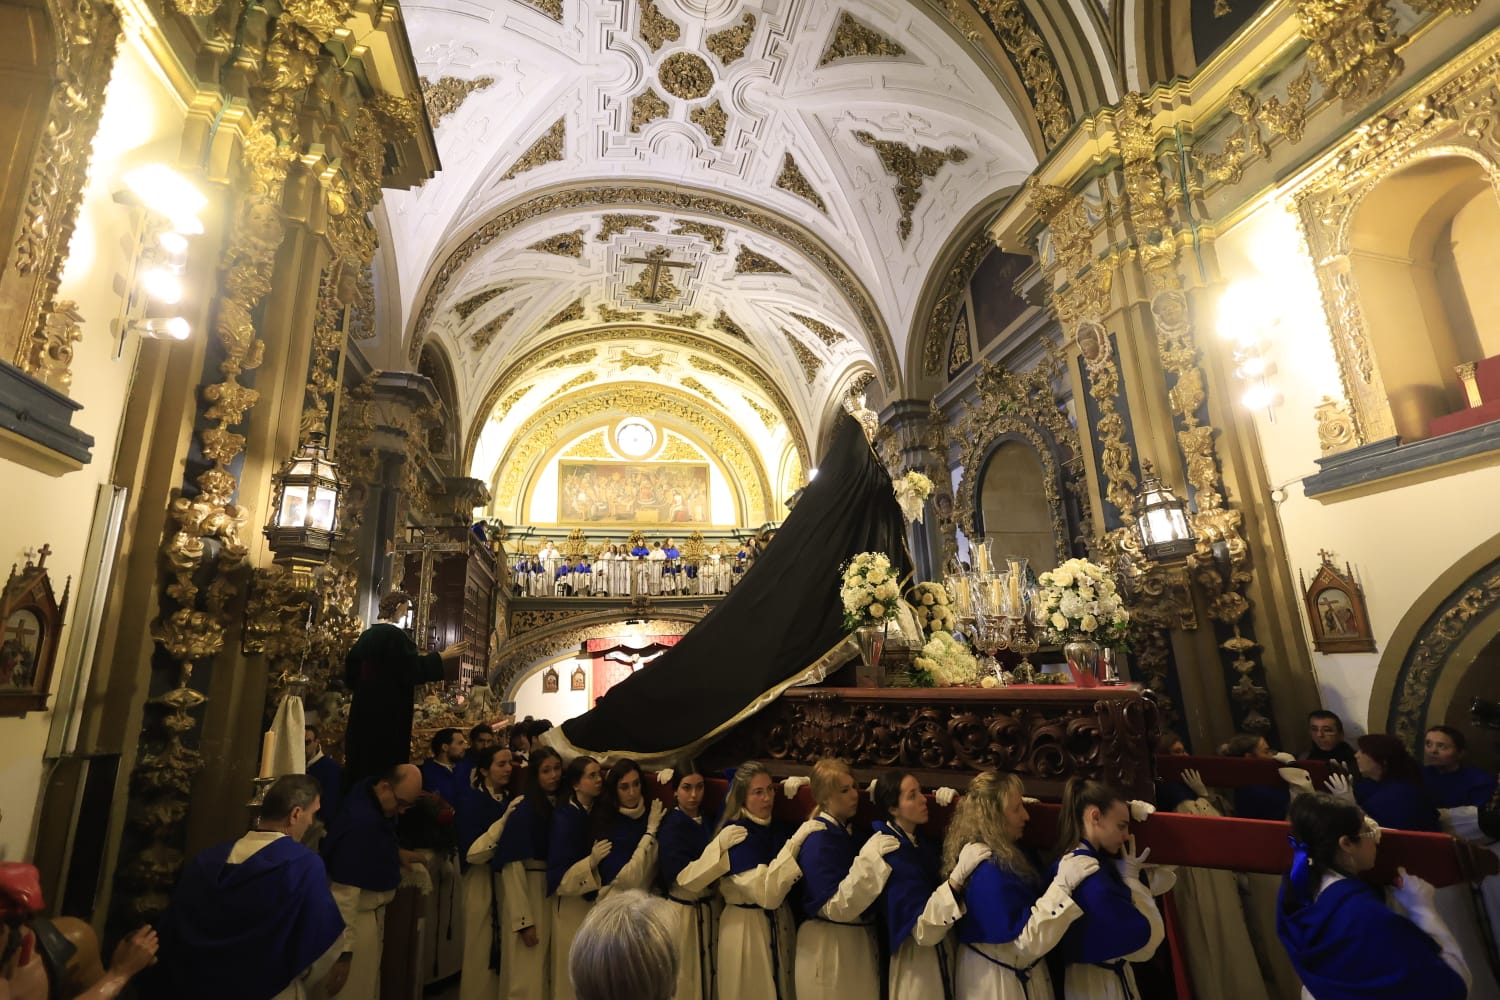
(364, 862)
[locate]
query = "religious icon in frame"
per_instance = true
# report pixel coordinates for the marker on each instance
(549, 680)
(580, 680)
(1336, 609)
(31, 620)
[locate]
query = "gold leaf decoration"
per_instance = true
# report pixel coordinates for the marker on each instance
(750, 262)
(713, 120)
(563, 244)
(693, 384)
(473, 303)
(628, 360)
(1032, 57)
(712, 368)
(911, 166)
(767, 417)
(959, 356)
(852, 38)
(572, 313)
(614, 223)
(446, 95)
(809, 361)
(827, 334)
(713, 234)
(609, 314)
(547, 149)
(581, 379)
(724, 324)
(505, 405)
(1352, 46)
(1287, 119)
(685, 75)
(687, 321)
(552, 8)
(482, 337)
(792, 179)
(730, 44)
(680, 449)
(593, 446)
(645, 108)
(656, 28)
(572, 360)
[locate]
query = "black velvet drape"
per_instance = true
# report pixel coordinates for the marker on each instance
(782, 617)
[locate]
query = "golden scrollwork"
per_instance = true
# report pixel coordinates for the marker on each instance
(767, 417)
(809, 361)
(747, 261)
(724, 324)
(1335, 426)
(685, 75)
(714, 235)
(1435, 645)
(911, 166)
(729, 44)
(614, 223)
(508, 403)
(655, 28)
(50, 358)
(830, 337)
(629, 359)
(958, 355)
(679, 449)
(562, 245)
(475, 302)
(485, 335)
(1279, 118)
(713, 120)
(691, 384)
(712, 368)
(792, 179)
(1352, 46)
(609, 314)
(552, 8)
(445, 95)
(570, 360)
(944, 309)
(571, 314)
(683, 321)
(1034, 61)
(852, 39)
(547, 149)
(590, 446)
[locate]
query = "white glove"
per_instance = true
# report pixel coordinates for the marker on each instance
(1140, 811)
(1297, 777)
(600, 852)
(1194, 781)
(1415, 894)
(878, 846)
(1029, 800)
(804, 831)
(970, 858)
(730, 836)
(1073, 869)
(790, 785)
(664, 775)
(944, 796)
(1129, 863)
(653, 818)
(1339, 785)
(870, 790)
(512, 806)
(1161, 879)
(1284, 757)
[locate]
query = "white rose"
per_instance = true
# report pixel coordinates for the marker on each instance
(877, 610)
(876, 575)
(1059, 622)
(1089, 623)
(988, 681)
(1062, 577)
(928, 600)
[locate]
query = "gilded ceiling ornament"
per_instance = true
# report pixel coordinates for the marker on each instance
(911, 166)
(828, 335)
(809, 361)
(693, 385)
(730, 44)
(1286, 119)
(685, 75)
(609, 314)
(547, 149)
(50, 357)
(713, 120)
(577, 381)
(852, 39)
(747, 261)
(446, 95)
(712, 368)
(645, 108)
(505, 405)
(570, 314)
(656, 29)
(680, 449)
(1034, 62)
(475, 302)
(958, 356)
(724, 324)
(485, 335)
(685, 321)
(669, 198)
(792, 179)
(592, 446)
(950, 297)
(655, 283)
(552, 8)
(571, 360)
(614, 223)
(1352, 46)
(766, 416)
(713, 234)
(563, 244)
(656, 362)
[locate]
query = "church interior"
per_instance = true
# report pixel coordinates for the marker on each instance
(549, 312)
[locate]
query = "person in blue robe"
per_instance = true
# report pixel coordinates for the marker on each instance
(624, 818)
(1450, 782)
(687, 870)
(1390, 788)
(573, 859)
(440, 771)
(1342, 939)
(481, 737)
(326, 771)
(252, 918)
(520, 859)
(1256, 801)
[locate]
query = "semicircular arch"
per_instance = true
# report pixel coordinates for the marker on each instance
(531, 651)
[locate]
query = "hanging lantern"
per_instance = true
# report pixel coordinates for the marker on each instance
(1161, 518)
(305, 505)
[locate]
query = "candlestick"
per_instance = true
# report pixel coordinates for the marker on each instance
(267, 753)
(1017, 574)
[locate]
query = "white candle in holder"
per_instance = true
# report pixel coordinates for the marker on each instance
(267, 752)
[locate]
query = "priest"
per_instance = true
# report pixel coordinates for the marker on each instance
(254, 918)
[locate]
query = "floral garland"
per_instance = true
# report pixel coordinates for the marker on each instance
(1080, 601)
(947, 661)
(869, 590)
(930, 603)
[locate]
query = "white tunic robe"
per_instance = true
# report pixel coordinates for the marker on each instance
(917, 970)
(523, 904)
(569, 908)
(480, 888)
(696, 918)
(1094, 982)
(837, 956)
(753, 900)
(980, 978)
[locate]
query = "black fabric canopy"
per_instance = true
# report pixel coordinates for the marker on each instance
(776, 622)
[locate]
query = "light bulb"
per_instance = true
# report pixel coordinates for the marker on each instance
(164, 328)
(1251, 367)
(162, 285)
(172, 242)
(812, 474)
(165, 191)
(1258, 397)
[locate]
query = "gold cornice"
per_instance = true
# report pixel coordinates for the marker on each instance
(665, 198)
(534, 359)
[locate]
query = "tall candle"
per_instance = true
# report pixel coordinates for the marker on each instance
(1016, 576)
(267, 753)
(982, 558)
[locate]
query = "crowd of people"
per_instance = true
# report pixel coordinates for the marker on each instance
(658, 569)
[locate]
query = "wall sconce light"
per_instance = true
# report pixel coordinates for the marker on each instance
(1248, 320)
(169, 206)
(305, 502)
(1161, 518)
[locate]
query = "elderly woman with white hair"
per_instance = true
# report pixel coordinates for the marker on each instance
(625, 950)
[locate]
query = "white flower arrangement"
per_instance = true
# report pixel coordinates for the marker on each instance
(947, 661)
(869, 591)
(912, 491)
(930, 603)
(1080, 601)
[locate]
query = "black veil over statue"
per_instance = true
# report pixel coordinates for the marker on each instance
(781, 625)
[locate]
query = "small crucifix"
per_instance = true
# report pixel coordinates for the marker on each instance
(1326, 556)
(655, 282)
(23, 631)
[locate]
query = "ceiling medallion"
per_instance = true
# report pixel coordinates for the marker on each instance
(685, 75)
(655, 284)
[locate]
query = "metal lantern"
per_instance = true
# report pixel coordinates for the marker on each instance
(305, 505)
(1161, 518)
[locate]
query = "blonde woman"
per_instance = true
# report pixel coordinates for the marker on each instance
(836, 951)
(756, 934)
(1013, 917)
